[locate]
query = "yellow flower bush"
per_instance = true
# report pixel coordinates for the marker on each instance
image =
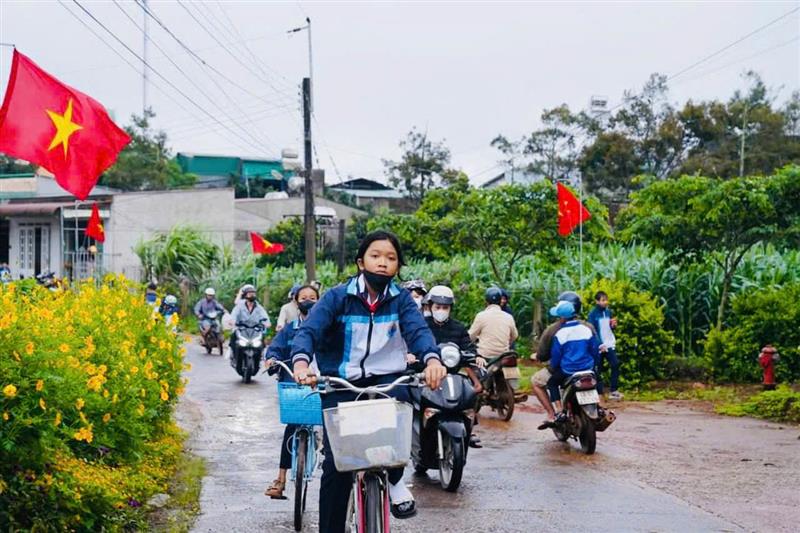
(87, 400)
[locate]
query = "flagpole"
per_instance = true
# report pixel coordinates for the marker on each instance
(75, 251)
(580, 227)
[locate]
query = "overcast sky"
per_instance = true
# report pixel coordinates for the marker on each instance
(462, 71)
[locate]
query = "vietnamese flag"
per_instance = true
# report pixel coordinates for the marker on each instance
(571, 212)
(95, 228)
(53, 125)
(263, 246)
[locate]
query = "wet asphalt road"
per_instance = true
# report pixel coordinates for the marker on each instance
(660, 467)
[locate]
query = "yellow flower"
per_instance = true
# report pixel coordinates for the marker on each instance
(140, 409)
(105, 393)
(39, 385)
(64, 348)
(106, 418)
(95, 383)
(29, 348)
(79, 403)
(85, 433)
(164, 396)
(10, 391)
(5, 415)
(121, 314)
(115, 398)
(42, 404)
(134, 369)
(57, 421)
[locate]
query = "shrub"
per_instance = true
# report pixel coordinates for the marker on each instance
(89, 381)
(760, 316)
(782, 405)
(642, 342)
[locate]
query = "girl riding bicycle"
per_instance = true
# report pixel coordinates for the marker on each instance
(361, 331)
(280, 350)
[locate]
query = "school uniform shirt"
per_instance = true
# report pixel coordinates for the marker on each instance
(353, 338)
(574, 348)
(494, 330)
(601, 320)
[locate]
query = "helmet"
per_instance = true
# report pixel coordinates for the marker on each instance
(170, 300)
(573, 298)
(493, 295)
(247, 288)
(504, 292)
(293, 291)
(415, 285)
(441, 295)
(211, 292)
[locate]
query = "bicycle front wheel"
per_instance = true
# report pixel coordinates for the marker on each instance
(301, 453)
(374, 504)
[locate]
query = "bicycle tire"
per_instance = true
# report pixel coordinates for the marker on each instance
(373, 504)
(301, 449)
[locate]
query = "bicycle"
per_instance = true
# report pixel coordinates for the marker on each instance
(368, 437)
(300, 406)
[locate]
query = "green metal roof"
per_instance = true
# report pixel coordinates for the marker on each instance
(219, 165)
(17, 175)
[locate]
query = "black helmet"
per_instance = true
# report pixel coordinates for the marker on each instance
(573, 298)
(493, 295)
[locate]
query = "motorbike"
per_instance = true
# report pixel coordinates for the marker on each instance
(582, 415)
(47, 280)
(443, 421)
(498, 390)
(246, 355)
(212, 338)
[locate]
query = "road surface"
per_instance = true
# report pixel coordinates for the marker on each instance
(668, 466)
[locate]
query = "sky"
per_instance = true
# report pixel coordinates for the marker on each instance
(463, 72)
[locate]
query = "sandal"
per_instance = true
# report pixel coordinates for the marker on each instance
(275, 491)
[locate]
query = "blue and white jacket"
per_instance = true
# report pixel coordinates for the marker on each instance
(350, 341)
(280, 349)
(575, 347)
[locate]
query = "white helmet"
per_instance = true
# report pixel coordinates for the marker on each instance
(441, 295)
(170, 299)
(211, 292)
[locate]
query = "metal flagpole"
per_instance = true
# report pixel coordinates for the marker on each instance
(75, 251)
(580, 226)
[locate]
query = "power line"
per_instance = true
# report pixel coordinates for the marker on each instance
(191, 81)
(157, 73)
(125, 59)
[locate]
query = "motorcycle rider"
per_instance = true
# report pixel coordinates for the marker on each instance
(448, 329)
(150, 295)
(574, 348)
(205, 306)
(289, 311)
(248, 313)
(280, 350)
(361, 331)
(494, 329)
(417, 289)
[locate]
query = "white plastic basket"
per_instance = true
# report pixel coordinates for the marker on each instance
(369, 434)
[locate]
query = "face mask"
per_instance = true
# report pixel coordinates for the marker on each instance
(251, 298)
(418, 301)
(377, 281)
(305, 306)
(426, 313)
(441, 316)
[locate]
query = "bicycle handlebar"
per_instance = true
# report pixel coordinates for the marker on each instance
(414, 380)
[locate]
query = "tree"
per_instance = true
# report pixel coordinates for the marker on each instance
(421, 166)
(696, 217)
(9, 165)
(146, 162)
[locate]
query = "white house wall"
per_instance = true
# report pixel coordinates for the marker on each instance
(138, 216)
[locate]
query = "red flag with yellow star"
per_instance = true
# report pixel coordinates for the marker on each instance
(95, 228)
(571, 212)
(53, 125)
(263, 246)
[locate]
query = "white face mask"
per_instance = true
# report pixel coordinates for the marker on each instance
(418, 301)
(441, 316)
(426, 313)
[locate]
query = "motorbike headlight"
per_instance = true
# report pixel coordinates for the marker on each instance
(256, 343)
(451, 356)
(242, 342)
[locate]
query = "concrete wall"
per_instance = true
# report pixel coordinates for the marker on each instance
(140, 215)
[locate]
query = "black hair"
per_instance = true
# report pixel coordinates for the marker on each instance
(600, 294)
(152, 286)
(380, 235)
(297, 292)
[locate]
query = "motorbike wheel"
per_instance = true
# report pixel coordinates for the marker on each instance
(451, 466)
(560, 433)
(505, 397)
(300, 479)
(373, 503)
(247, 368)
(221, 343)
(208, 345)
(588, 437)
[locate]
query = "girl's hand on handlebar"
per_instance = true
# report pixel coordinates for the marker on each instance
(302, 375)
(435, 372)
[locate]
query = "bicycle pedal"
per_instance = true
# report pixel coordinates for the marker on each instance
(278, 498)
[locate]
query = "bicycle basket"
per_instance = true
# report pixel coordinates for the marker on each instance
(369, 434)
(298, 406)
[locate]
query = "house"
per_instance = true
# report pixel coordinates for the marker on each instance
(217, 170)
(42, 228)
(370, 193)
(513, 176)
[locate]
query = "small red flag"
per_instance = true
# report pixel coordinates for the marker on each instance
(53, 125)
(571, 212)
(263, 246)
(95, 228)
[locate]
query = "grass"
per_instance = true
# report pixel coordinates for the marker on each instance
(177, 516)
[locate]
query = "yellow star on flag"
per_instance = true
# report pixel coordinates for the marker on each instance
(64, 128)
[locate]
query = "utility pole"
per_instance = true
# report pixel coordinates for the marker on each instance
(309, 219)
(146, 37)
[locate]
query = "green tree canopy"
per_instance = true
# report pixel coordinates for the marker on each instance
(422, 166)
